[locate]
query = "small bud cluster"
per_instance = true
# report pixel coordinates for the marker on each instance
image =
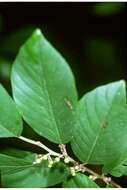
(45, 157)
(93, 177)
(38, 160)
(51, 162)
(66, 160)
(77, 168)
(107, 179)
(72, 170)
(57, 159)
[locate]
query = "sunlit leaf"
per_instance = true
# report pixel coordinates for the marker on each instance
(10, 120)
(44, 89)
(18, 170)
(79, 181)
(100, 137)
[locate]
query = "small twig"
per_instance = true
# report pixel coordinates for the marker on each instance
(63, 149)
(81, 167)
(39, 144)
(95, 175)
(115, 184)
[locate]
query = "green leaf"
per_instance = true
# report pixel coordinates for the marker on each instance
(79, 181)
(44, 89)
(10, 120)
(19, 171)
(120, 169)
(101, 133)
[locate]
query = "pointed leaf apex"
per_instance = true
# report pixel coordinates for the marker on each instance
(123, 83)
(37, 32)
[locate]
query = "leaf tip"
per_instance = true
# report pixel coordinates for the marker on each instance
(38, 32)
(122, 82)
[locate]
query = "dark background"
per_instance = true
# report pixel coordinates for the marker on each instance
(91, 36)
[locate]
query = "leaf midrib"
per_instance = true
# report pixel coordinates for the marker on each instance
(49, 99)
(100, 130)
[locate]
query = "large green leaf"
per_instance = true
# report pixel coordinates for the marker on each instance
(44, 89)
(101, 133)
(120, 169)
(19, 171)
(80, 180)
(10, 120)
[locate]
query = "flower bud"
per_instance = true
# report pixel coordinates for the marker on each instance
(57, 159)
(49, 165)
(76, 167)
(51, 162)
(73, 173)
(45, 157)
(66, 160)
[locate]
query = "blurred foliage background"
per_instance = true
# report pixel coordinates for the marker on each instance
(91, 36)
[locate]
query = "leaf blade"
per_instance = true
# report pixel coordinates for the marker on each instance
(102, 116)
(43, 83)
(20, 171)
(10, 120)
(80, 181)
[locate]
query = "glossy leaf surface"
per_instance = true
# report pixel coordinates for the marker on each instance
(19, 171)
(79, 181)
(120, 169)
(44, 89)
(101, 134)
(10, 120)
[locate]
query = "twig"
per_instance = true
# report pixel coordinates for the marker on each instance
(81, 167)
(39, 144)
(115, 184)
(95, 176)
(63, 149)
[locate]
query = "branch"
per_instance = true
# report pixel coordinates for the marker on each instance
(39, 144)
(83, 168)
(77, 166)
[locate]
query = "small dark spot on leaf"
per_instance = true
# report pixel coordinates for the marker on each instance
(104, 125)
